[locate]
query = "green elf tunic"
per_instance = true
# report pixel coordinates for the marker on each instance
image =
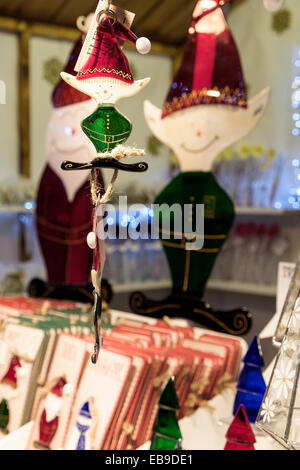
(106, 128)
(190, 270)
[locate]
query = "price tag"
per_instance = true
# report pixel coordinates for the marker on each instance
(123, 16)
(284, 277)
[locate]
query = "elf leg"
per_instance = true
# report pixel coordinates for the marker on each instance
(190, 269)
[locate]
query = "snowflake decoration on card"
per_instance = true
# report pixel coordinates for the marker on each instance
(284, 376)
(281, 21)
(51, 70)
(268, 409)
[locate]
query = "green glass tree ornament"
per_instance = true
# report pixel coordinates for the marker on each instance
(166, 432)
(4, 415)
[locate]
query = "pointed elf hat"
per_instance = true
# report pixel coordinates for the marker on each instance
(10, 377)
(63, 94)
(211, 70)
(59, 387)
(107, 58)
(85, 411)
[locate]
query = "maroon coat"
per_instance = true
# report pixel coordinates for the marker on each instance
(62, 229)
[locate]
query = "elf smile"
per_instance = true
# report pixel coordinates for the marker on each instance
(203, 148)
(104, 94)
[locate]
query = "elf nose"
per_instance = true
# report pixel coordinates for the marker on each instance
(198, 133)
(70, 131)
(105, 91)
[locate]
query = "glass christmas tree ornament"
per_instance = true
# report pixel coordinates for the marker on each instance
(279, 415)
(166, 433)
(290, 307)
(251, 386)
(240, 435)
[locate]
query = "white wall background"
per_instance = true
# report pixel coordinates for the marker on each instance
(9, 141)
(42, 50)
(267, 59)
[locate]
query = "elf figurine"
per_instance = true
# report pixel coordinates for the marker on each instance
(64, 206)
(49, 421)
(206, 110)
(8, 391)
(106, 77)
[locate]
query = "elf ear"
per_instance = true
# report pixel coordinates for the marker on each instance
(153, 118)
(249, 118)
(72, 80)
(258, 104)
(134, 88)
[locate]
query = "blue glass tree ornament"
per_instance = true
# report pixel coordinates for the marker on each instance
(251, 385)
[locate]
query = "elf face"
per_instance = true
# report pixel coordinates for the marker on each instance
(65, 139)
(105, 89)
(199, 133)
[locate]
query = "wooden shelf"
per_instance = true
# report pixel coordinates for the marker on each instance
(269, 211)
(242, 287)
(227, 286)
(142, 286)
(20, 208)
(16, 209)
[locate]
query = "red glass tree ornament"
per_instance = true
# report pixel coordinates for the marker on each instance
(240, 435)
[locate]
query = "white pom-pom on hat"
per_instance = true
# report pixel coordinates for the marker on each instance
(143, 45)
(83, 23)
(92, 240)
(68, 389)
